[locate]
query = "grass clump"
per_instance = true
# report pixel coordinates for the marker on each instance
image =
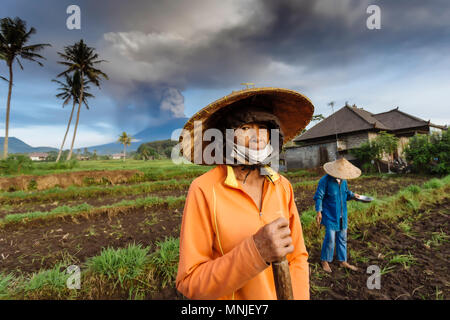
(165, 260)
(5, 281)
(414, 189)
(47, 284)
(120, 265)
(434, 183)
(404, 259)
(437, 239)
(52, 277)
(405, 226)
(308, 217)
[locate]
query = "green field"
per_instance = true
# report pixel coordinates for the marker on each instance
(124, 235)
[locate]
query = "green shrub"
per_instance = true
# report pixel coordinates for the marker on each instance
(373, 150)
(16, 164)
(429, 153)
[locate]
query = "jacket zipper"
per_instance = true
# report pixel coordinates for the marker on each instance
(262, 199)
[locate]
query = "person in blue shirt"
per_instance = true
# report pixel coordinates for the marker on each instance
(331, 199)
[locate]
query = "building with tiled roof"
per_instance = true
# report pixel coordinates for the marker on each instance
(38, 156)
(352, 126)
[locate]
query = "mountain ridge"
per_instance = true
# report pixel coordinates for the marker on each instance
(162, 131)
(15, 145)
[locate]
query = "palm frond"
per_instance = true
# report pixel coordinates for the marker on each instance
(36, 47)
(13, 38)
(20, 64)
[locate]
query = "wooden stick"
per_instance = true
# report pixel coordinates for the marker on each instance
(282, 278)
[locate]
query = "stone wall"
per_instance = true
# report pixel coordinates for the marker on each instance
(314, 156)
(355, 140)
(310, 156)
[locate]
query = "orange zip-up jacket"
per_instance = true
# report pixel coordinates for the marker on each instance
(218, 257)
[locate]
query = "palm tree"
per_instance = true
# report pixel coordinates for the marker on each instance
(70, 90)
(125, 139)
(81, 58)
(13, 39)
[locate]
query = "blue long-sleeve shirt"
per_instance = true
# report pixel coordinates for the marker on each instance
(331, 200)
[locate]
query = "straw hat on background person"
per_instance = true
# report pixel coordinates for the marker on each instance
(292, 110)
(342, 169)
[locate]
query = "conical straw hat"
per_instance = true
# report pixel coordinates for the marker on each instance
(342, 169)
(293, 110)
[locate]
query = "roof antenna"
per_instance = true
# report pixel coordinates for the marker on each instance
(335, 129)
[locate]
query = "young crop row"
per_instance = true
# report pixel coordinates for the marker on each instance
(93, 192)
(73, 192)
(88, 210)
(133, 272)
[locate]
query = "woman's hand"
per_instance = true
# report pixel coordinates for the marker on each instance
(319, 217)
(357, 196)
(274, 241)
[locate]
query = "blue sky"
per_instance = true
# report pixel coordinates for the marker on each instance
(170, 58)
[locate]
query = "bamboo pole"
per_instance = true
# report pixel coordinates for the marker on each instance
(282, 278)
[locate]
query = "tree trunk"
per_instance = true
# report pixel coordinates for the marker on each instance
(67, 130)
(124, 151)
(8, 108)
(78, 115)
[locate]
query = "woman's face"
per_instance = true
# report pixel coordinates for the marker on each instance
(252, 135)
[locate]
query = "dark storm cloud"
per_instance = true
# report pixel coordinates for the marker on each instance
(299, 44)
(158, 49)
(316, 34)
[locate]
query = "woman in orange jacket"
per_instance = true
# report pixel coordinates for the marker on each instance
(241, 215)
